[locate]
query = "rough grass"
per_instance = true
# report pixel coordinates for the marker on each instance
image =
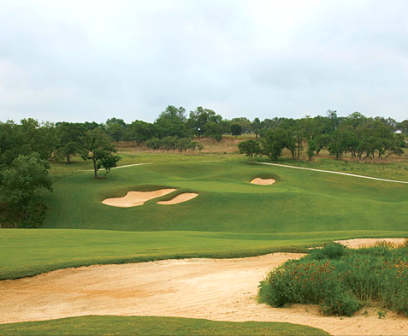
(341, 280)
(152, 326)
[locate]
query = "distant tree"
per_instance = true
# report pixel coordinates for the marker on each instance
(214, 130)
(250, 148)
(169, 142)
(140, 131)
(153, 143)
(257, 126)
(199, 118)
(97, 147)
(311, 147)
(183, 144)
(20, 183)
(172, 122)
(273, 143)
(116, 128)
(245, 123)
(70, 135)
(236, 130)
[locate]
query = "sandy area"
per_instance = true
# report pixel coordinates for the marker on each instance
(215, 289)
(260, 181)
(136, 198)
(179, 199)
(368, 242)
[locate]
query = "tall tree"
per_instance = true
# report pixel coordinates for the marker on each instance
(172, 122)
(97, 147)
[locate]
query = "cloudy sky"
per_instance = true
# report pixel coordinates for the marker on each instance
(78, 60)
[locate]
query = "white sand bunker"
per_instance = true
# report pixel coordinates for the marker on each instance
(179, 199)
(369, 242)
(136, 198)
(260, 181)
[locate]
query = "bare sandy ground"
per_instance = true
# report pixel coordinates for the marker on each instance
(260, 181)
(179, 199)
(368, 242)
(136, 198)
(215, 289)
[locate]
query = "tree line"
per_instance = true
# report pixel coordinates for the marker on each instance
(27, 147)
(360, 136)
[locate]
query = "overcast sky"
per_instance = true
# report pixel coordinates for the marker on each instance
(86, 60)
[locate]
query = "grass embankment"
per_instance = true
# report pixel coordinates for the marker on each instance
(341, 280)
(152, 326)
(28, 252)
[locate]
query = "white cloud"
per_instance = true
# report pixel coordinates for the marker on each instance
(91, 60)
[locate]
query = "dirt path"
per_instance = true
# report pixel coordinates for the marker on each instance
(332, 172)
(215, 289)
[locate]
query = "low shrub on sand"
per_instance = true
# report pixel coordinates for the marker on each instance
(342, 280)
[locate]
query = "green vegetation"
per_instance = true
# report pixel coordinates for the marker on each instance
(300, 201)
(20, 183)
(152, 326)
(28, 252)
(341, 280)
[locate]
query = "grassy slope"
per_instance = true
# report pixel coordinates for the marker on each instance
(301, 201)
(27, 252)
(151, 326)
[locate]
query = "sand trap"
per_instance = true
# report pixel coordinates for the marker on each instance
(368, 242)
(136, 198)
(215, 289)
(179, 199)
(260, 181)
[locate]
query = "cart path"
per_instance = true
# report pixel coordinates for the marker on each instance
(332, 172)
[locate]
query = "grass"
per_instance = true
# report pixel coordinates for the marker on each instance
(300, 201)
(27, 252)
(342, 280)
(152, 326)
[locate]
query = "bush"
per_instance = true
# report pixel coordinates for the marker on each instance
(341, 281)
(329, 251)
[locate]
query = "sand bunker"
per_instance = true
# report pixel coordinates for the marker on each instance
(214, 289)
(179, 199)
(368, 242)
(136, 198)
(260, 181)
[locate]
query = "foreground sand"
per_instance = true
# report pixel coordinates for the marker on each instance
(215, 289)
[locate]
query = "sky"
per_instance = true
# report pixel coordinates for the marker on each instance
(90, 60)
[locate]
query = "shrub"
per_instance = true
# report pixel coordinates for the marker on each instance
(329, 251)
(342, 280)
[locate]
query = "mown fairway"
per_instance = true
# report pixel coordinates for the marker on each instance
(229, 218)
(300, 201)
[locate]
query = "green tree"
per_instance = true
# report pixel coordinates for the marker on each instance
(172, 122)
(70, 135)
(250, 148)
(236, 130)
(199, 118)
(116, 128)
(257, 126)
(273, 143)
(97, 147)
(20, 182)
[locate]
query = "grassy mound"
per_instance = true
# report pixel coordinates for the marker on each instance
(341, 280)
(152, 326)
